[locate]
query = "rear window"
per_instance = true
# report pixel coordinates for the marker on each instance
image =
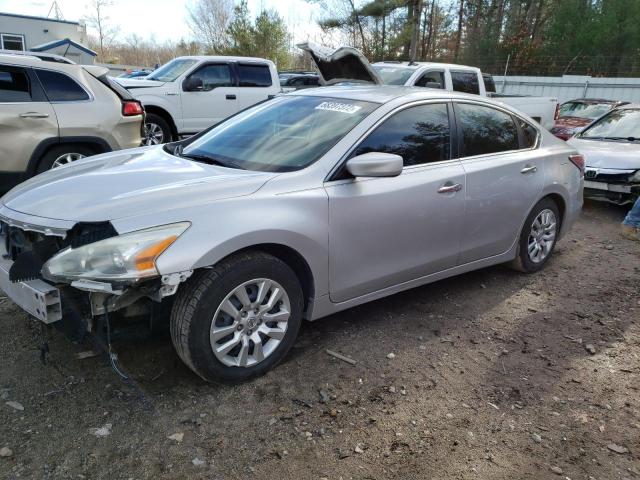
(60, 87)
(254, 75)
(466, 82)
(14, 85)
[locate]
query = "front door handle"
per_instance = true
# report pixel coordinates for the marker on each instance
(230, 97)
(34, 115)
(529, 169)
(171, 94)
(450, 188)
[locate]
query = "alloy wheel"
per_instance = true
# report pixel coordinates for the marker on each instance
(542, 236)
(250, 323)
(66, 159)
(153, 134)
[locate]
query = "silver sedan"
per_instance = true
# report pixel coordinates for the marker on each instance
(295, 209)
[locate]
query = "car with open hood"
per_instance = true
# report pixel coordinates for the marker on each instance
(296, 208)
(611, 147)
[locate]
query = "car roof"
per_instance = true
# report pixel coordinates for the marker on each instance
(416, 65)
(385, 93)
(223, 58)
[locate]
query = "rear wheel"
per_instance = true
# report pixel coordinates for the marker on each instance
(156, 130)
(239, 319)
(538, 237)
(63, 155)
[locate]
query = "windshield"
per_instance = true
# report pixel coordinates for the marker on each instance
(584, 110)
(617, 125)
(285, 134)
(172, 70)
(393, 75)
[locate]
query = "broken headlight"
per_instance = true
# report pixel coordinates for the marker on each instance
(131, 256)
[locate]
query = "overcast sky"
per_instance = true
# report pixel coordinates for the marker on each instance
(165, 19)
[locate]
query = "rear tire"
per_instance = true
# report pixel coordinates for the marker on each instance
(252, 339)
(156, 130)
(538, 237)
(63, 154)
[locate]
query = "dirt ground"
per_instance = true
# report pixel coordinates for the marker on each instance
(495, 375)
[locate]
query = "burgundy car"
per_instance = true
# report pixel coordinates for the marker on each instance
(574, 115)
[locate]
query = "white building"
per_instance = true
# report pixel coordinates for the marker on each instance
(38, 34)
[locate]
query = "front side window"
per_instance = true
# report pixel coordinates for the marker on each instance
(285, 134)
(466, 82)
(429, 79)
(169, 72)
(214, 76)
(61, 88)
(418, 134)
(485, 130)
(254, 75)
(12, 42)
(14, 85)
(621, 124)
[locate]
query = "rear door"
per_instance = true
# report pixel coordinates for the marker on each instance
(504, 174)
(214, 101)
(386, 231)
(254, 83)
(26, 119)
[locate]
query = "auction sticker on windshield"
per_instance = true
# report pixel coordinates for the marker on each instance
(338, 107)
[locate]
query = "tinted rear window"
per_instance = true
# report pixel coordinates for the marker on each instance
(485, 130)
(14, 85)
(254, 75)
(466, 82)
(60, 87)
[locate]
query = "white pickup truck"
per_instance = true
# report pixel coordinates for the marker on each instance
(349, 65)
(189, 94)
(460, 78)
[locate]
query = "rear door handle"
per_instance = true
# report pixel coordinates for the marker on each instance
(529, 169)
(450, 188)
(230, 97)
(34, 115)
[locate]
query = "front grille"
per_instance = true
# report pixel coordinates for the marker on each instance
(596, 176)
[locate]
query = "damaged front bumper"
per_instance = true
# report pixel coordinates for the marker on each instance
(25, 245)
(611, 185)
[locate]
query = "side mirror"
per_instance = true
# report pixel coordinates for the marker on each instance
(375, 164)
(193, 84)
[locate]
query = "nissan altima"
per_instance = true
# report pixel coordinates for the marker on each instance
(294, 209)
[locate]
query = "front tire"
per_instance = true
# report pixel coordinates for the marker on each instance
(538, 237)
(238, 319)
(156, 130)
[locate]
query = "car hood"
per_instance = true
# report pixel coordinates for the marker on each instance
(345, 64)
(602, 154)
(129, 183)
(572, 122)
(138, 83)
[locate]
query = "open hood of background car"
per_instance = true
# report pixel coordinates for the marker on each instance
(345, 64)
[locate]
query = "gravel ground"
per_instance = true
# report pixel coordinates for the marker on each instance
(494, 375)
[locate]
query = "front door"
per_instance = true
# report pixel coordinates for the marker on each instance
(26, 119)
(213, 102)
(386, 231)
(504, 178)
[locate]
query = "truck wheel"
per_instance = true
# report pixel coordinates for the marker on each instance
(156, 130)
(63, 155)
(239, 319)
(538, 237)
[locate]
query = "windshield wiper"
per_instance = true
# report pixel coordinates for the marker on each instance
(196, 157)
(628, 139)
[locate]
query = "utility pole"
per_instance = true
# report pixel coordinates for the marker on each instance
(55, 9)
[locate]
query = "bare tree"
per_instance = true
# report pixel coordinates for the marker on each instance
(99, 20)
(208, 20)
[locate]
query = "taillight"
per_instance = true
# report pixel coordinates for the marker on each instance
(131, 108)
(578, 161)
(557, 112)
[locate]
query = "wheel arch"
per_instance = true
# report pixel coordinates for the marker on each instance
(156, 110)
(99, 145)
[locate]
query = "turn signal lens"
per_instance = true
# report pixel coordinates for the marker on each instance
(146, 259)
